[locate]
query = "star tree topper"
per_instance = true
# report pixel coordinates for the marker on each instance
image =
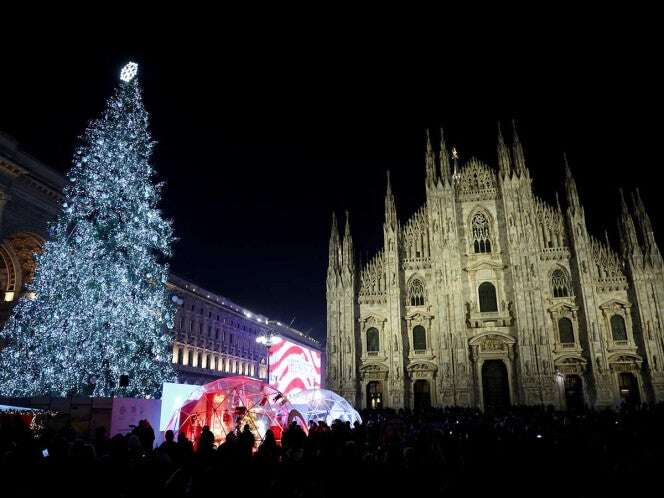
(129, 72)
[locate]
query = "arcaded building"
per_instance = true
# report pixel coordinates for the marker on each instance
(488, 296)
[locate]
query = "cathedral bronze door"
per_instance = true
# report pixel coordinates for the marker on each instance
(574, 393)
(629, 389)
(421, 395)
(495, 385)
(374, 395)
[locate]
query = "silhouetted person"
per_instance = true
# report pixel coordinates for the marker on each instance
(145, 434)
(206, 441)
(169, 445)
(184, 449)
(268, 451)
(246, 441)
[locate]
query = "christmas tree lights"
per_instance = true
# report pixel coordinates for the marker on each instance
(100, 306)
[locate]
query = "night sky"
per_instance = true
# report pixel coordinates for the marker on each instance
(261, 138)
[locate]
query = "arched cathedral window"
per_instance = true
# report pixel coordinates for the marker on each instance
(487, 295)
(373, 344)
(560, 284)
(416, 293)
(618, 329)
(566, 331)
(481, 233)
(419, 338)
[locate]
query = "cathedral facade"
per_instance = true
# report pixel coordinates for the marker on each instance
(488, 297)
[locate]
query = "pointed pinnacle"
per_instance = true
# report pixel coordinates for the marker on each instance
(429, 147)
(568, 171)
(622, 200)
(515, 135)
(638, 200)
(501, 140)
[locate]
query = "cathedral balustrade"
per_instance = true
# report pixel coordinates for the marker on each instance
(483, 319)
(555, 254)
(414, 264)
(611, 284)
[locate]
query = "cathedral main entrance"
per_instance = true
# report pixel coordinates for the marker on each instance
(495, 385)
(421, 395)
(574, 393)
(374, 395)
(629, 389)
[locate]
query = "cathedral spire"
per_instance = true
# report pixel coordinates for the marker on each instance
(430, 162)
(455, 161)
(642, 217)
(334, 249)
(503, 155)
(644, 224)
(570, 187)
(444, 160)
(517, 153)
(347, 250)
(628, 239)
(390, 206)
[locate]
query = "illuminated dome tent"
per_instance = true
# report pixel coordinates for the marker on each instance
(229, 402)
(323, 405)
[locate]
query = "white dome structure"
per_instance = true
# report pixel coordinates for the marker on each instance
(323, 405)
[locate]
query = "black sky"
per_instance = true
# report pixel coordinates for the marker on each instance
(260, 136)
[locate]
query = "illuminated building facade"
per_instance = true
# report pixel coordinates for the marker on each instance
(212, 336)
(488, 296)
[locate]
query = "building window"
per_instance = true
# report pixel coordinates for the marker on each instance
(565, 331)
(618, 329)
(416, 293)
(419, 338)
(180, 356)
(373, 341)
(560, 284)
(488, 301)
(481, 233)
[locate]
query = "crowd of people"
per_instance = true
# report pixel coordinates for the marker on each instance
(521, 452)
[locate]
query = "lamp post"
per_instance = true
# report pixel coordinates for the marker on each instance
(267, 339)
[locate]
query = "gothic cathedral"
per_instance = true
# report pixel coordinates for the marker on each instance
(488, 297)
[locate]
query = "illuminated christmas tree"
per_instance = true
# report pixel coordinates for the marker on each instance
(98, 308)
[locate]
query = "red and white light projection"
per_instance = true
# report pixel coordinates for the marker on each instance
(294, 368)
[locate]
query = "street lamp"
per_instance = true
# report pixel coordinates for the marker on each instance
(267, 339)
